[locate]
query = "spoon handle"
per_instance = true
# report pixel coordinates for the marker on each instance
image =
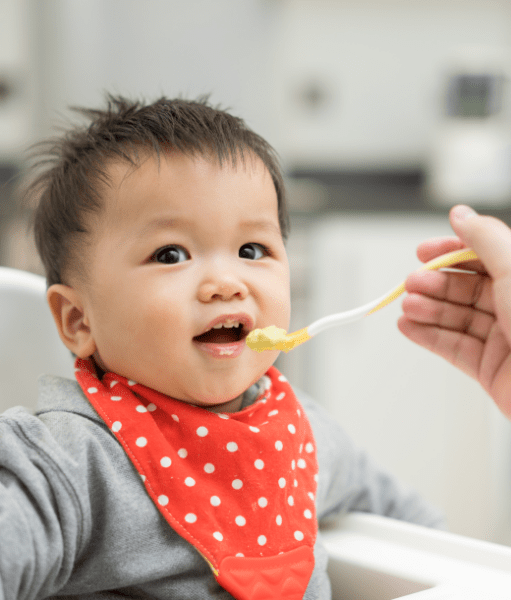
(446, 260)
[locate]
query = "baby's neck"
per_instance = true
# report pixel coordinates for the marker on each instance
(231, 406)
(99, 371)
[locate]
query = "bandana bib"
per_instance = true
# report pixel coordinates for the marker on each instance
(240, 487)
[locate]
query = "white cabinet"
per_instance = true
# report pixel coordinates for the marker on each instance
(417, 415)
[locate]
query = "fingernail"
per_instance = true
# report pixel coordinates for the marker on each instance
(463, 212)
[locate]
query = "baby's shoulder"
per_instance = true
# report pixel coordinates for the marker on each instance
(73, 423)
(61, 395)
(65, 432)
(66, 436)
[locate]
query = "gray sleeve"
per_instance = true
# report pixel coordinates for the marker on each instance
(41, 520)
(350, 481)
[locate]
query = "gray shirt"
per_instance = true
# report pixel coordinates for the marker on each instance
(76, 521)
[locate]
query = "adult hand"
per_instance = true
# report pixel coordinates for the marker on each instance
(466, 318)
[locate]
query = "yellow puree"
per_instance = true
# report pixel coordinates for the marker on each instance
(274, 338)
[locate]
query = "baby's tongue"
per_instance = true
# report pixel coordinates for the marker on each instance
(219, 336)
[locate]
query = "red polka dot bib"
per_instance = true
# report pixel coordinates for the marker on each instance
(240, 487)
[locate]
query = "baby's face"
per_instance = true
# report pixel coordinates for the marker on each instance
(179, 250)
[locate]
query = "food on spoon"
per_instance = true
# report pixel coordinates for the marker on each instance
(274, 338)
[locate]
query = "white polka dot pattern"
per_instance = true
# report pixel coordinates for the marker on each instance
(202, 432)
(241, 484)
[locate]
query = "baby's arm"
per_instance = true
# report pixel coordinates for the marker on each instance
(466, 318)
(39, 523)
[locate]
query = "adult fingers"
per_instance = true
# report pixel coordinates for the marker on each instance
(460, 349)
(430, 249)
(455, 288)
(488, 236)
(491, 240)
(446, 315)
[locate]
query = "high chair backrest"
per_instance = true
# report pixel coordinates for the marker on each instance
(29, 342)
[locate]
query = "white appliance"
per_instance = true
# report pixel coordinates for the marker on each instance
(421, 418)
(470, 155)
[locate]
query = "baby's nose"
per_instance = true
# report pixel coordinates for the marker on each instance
(223, 287)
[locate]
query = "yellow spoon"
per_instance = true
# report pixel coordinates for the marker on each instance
(274, 338)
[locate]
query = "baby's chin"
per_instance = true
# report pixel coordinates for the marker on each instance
(220, 393)
(221, 401)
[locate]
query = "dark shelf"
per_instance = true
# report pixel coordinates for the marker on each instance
(378, 191)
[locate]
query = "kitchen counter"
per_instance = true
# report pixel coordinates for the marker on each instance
(316, 192)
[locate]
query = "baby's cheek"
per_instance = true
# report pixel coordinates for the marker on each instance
(279, 296)
(283, 311)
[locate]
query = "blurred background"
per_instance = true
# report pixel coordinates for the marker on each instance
(385, 113)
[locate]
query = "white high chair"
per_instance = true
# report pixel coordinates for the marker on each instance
(377, 558)
(29, 343)
(371, 557)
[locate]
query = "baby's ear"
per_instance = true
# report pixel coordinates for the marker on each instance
(71, 320)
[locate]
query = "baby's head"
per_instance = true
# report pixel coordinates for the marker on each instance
(157, 224)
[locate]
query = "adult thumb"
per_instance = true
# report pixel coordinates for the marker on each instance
(489, 237)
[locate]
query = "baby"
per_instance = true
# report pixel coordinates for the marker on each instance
(180, 463)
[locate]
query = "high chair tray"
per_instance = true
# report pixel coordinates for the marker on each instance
(377, 558)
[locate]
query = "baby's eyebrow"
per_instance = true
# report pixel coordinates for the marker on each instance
(162, 223)
(260, 224)
(169, 223)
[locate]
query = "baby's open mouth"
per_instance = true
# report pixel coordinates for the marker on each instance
(222, 334)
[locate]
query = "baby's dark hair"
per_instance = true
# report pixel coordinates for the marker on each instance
(75, 165)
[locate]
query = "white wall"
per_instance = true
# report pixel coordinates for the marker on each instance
(154, 47)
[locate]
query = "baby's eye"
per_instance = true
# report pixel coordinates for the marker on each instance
(170, 255)
(253, 251)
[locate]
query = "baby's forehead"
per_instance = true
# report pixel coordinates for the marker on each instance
(149, 176)
(117, 170)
